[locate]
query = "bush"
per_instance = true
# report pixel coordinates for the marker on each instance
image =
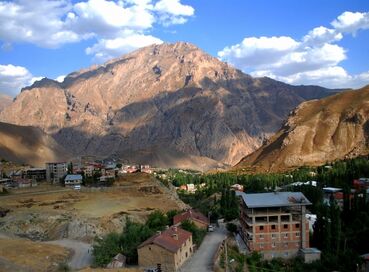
(231, 227)
(198, 234)
(105, 249)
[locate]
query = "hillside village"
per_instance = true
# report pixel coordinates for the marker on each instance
(277, 222)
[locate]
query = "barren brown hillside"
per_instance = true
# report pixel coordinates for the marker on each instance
(28, 145)
(5, 101)
(316, 132)
(167, 105)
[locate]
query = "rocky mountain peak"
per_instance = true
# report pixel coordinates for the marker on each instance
(160, 104)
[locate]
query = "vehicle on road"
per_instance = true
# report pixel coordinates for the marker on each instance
(210, 228)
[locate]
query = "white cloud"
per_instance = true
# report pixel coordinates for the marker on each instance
(60, 78)
(38, 22)
(172, 12)
(13, 78)
(108, 48)
(351, 22)
(321, 35)
(53, 23)
(314, 59)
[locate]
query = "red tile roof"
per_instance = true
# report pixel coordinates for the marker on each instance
(190, 214)
(166, 239)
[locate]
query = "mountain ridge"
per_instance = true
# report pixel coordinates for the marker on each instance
(316, 132)
(171, 97)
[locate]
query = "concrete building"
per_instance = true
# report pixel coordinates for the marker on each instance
(274, 223)
(38, 174)
(55, 171)
(71, 180)
(197, 218)
(168, 249)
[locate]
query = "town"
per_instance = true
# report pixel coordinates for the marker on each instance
(236, 221)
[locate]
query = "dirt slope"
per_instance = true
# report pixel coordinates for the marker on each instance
(317, 131)
(5, 101)
(28, 145)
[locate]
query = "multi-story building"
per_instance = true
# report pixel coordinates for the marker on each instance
(55, 171)
(274, 224)
(38, 174)
(168, 249)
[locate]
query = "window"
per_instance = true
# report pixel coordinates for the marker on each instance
(261, 228)
(261, 236)
(274, 236)
(273, 244)
(297, 226)
(273, 227)
(285, 226)
(149, 248)
(261, 246)
(297, 234)
(286, 235)
(186, 254)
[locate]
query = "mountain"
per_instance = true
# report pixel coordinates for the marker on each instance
(28, 145)
(317, 131)
(167, 105)
(5, 101)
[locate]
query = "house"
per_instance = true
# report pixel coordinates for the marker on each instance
(24, 183)
(119, 261)
(55, 171)
(37, 174)
(197, 218)
(168, 249)
(145, 169)
(72, 180)
(274, 224)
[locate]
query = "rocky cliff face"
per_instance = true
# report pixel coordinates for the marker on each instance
(168, 105)
(29, 145)
(317, 131)
(5, 101)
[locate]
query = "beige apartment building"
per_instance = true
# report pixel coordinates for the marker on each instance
(169, 249)
(274, 224)
(55, 171)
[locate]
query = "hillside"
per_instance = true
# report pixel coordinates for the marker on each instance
(5, 101)
(167, 105)
(28, 145)
(317, 131)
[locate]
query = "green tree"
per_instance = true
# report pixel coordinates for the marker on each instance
(105, 249)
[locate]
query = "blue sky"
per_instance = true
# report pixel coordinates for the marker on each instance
(300, 42)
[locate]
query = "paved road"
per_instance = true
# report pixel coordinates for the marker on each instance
(82, 256)
(202, 260)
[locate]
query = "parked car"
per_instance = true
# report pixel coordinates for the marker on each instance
(211, 228)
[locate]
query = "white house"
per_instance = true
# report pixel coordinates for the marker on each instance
(71, 180)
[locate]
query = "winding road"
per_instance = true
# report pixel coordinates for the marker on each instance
(82, 252)
(202, 260)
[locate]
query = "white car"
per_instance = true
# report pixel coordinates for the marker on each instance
(211, 228)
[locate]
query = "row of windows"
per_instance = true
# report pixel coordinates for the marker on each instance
(261, 246)
(285, 226)
(274, 236)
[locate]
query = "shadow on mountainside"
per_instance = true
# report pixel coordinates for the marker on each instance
(217, 120)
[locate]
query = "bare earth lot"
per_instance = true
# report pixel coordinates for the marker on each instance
(56, 213)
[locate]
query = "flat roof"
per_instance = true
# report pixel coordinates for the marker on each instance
(274, 199)
(73, 177)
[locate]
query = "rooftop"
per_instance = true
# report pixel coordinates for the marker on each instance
(190, 214)
(73, 177)
(275, 199)
(171, 239)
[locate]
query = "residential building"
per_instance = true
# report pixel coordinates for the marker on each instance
(55, 171)
(197, 218)
(274, 223)
(37, 174)
(168, 249)
(72, 180)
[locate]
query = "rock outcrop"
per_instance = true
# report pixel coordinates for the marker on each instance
(167, 105)
(317, 131)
